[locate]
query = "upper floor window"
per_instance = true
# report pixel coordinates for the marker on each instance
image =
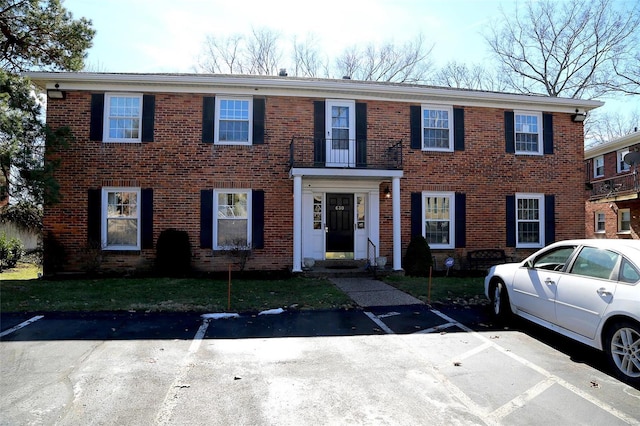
(234, 117)
(622, 166)
(598, 166)
(122, 117)
(529, 220)
(438, 218)
(437, 128)
(121, 218)
(528, 133)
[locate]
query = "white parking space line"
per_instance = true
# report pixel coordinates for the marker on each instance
(379, 323)
(436, 328)
(21, 325)
(171, 399)
(550, 379)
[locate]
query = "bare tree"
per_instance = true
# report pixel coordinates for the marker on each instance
(476, 77)
(566, 48)
(262, 52)
(605, 126)
(222, 55)
(307, 58)
(407, 63)
(629, 74)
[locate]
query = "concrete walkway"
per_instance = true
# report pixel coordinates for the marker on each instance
(366, 292)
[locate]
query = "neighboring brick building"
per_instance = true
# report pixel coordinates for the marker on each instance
(612, 206)
(307, 168)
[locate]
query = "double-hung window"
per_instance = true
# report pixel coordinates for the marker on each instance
(530, 220)
(437, 128)
(624, 220)
(598, 166)
(438, 210)
(122, 118)
(528, 133)
(600, 223)
(622, 166)
(234, 118)
(232, 227)
(121, 218)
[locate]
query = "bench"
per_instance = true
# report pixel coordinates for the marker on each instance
(484, 259)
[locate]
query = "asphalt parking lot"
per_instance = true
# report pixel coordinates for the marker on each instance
(377, 365)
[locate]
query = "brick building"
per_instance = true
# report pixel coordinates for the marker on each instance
(307, 169)
(612, 207)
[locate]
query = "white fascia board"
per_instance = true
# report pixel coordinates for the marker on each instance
(319, 88)
(345, 173)
(612, 145)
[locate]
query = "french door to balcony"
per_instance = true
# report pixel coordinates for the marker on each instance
(340, 119)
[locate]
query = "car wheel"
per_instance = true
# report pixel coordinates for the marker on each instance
(623, 350)
(500, 302)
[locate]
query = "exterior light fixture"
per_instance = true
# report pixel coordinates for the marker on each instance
(387, 192)
(56, 93)
(578, 117)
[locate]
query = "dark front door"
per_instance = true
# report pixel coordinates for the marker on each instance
(340, 223)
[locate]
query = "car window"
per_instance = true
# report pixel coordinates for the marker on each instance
(597, 263)
(554, 260)
(628, 272)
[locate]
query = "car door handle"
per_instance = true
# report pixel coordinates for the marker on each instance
(549, 281)
(604, 292)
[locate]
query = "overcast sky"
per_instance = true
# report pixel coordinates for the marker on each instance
(158, 36)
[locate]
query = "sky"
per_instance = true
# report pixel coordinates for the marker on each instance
(166, 36)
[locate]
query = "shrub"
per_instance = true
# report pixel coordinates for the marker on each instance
(417, 260)
(11, 250)
(173, 253)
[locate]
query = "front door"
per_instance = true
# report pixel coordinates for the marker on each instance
(339, 226)
(340, 119)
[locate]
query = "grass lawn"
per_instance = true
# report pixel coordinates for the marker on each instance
(20, 291)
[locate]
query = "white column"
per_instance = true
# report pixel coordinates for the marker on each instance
(297, 224)
(397, 240)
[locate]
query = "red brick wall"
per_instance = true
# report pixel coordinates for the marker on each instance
(177, 165)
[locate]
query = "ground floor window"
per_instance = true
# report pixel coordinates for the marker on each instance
(438, 219)
(232, 227)
(529, 220)
(121, 218)
(600, 223)
(624, 220)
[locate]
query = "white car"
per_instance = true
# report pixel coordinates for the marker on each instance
(587, 290)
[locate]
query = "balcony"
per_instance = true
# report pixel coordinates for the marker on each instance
(617, 188)
(368, 154)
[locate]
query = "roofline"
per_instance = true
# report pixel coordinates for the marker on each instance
(272, 85)
(612, 145)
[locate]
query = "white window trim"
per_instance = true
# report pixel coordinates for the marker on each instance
(447, 108)
(216, 140)
(540, 133)
(620, 157)
(107, 113)
(595, 166)
(620, 230)
(541, 219)
(595, 226)
(452, 217)
(215, 216)
(103, 220)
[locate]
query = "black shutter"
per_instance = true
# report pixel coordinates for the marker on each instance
(416, 214)
(547, 133)
(458, 129)
(148, 114)
(415, 123)
(511, 220)
(147, 218)
(510, 132)
(97, 117)
(208, 118)
(206, 218)
(258, 121)
(94, 216)
(319, 138)
(361, 135)
(549, 219)
(257, 219)
(461, 218)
